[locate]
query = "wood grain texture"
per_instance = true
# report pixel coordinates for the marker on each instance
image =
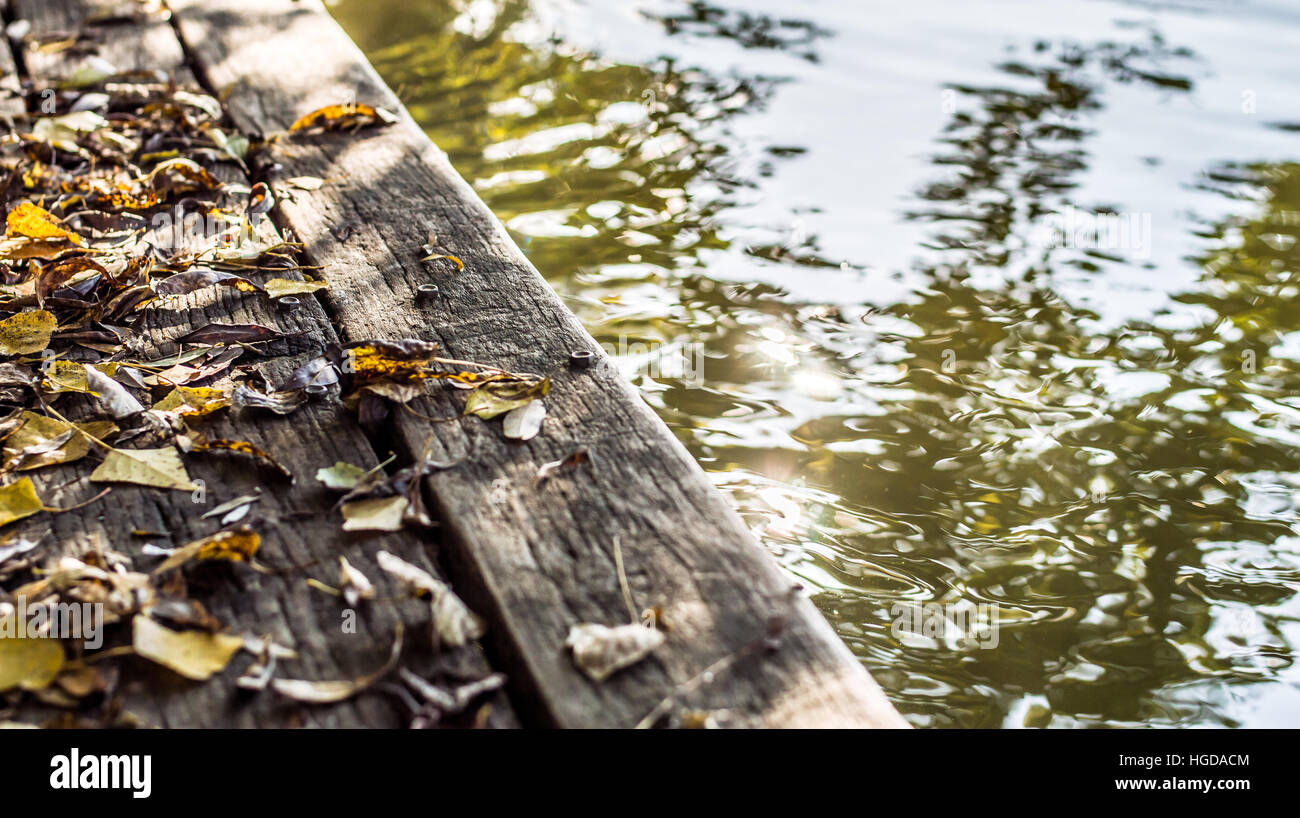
(535, 559)
(298, 524)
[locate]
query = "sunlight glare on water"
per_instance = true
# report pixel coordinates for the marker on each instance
(988, 304)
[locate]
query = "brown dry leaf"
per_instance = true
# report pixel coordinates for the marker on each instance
(55, 275)
(193, 654)
(193, 280)
(453, 622)
(501, 396)
(193, 401)
(280, 287)
(160, 468)
(599, 650)
(547, 470)
(26, 332)
(375, 514)
(230, 333)
(19, 500)
(336, 691)
(373, 360)
(339, 117)
(243, 447)
(236, 545)
(29, 664)
(32, 222)
(19, 447)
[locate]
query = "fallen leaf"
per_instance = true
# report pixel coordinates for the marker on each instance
(280, 287)
(236, 545)
(65, 376)
(306, 182)
(454, 623)
(230, 333)
(33, 222)
(373, 360)
(524, 422)
(160, 468)
(245, 448)
(341, 476)
(27, 663)
(58, 273)
(35, 429)
(19, 500)
(353, 583)
(113, 395)
(376, 514)
(599, 650)
(546, 470)
(458, 698)
(193, 401)
(194, 280)
(282, 403)
(62, 131)
(501, 396)
(193, 654)
(339, 117)
(336, 691)
(9, 550)
(26, 332)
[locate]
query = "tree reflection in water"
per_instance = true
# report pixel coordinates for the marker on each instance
(1125, 497)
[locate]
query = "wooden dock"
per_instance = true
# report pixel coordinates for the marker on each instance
(744, 646)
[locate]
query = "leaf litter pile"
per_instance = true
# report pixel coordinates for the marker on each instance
(126, 198)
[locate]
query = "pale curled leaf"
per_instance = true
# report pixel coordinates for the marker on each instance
(453, 622)
(326, 692)
(524, 422)
(354, 584)
(599, 650)
(113, 395)
(375, 514)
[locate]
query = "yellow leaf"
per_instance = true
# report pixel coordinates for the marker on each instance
(193, 654)
(29, 221)
(348, 115)
(237, 545)
(30, 664)
(65, 376)
(280, 287)
(38, 429)
(498, 397)
(19, 500)
(193, 401)
(161, 468)
(26, 332)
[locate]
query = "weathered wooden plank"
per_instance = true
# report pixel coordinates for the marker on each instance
(299, 527)
(537, 560)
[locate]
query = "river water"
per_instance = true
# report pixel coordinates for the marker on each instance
(988, 310)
